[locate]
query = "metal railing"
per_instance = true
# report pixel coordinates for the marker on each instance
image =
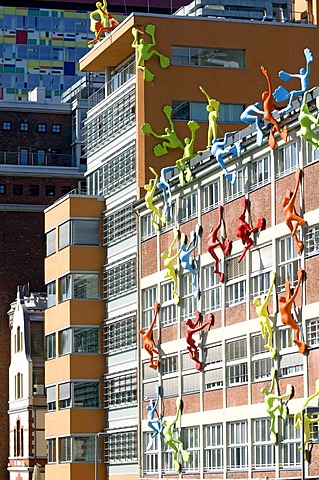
(37, 159)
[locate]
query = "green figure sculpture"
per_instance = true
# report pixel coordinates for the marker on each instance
(306, 120)
(150, 189)
(266, 325)
(213, 112)
(185, 174)
(146, 51)
(307, 420)
(169, 260)
(276, 405)
(170, 138)
(175, 443)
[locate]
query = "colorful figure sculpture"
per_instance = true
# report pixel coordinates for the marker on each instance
(175, 443)
(146, 51)
(293, 221)
(170, 138)
(286, 303)
(148, 343)
(306, 120)
(105, 23)
(268, 108)
(155, 424)
(150, 189)
(266, 325)
(219, 150)
(244, 230)
(213, 112)
(253, 114)
(164, 185)
(213, 242)
(169, 260)
(188, 263)
(281, 94)
(306, 419)
(182, 164)
(193, 328)
(276, 405)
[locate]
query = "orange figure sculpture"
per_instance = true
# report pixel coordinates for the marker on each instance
(105, 24)
(191, 329)
(244, 230)
(268, 108)
(213, 242)
(148, 343)
(290, 212)
(286, 303)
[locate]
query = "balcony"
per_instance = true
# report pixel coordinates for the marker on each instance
(37, 159)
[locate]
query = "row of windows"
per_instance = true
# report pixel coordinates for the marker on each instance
(33, 190)
(25, 127)
(76, 394)
(74, 286)
(184, 110)
(84, 339)
(208, 57)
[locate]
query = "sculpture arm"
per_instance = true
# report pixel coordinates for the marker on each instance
(205, 93)
(300, 277)
(265, 72)
(270, 288)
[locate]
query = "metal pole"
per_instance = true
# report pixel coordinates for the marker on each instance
(302, 445)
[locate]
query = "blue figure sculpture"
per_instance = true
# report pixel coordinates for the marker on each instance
(155, 424)
(281, 94)
(187, 263)
(164, 185)
(219, 152)
(250, 115)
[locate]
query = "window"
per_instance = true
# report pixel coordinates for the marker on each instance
(118, 172)
(211, 290)
(236, 189)
(288, 159)
(211, 195)
(65, 449)
(51, 449)
(120, 334)
(42, 127)
(17, 189)
(260, 360)
(313, 332)
(79, 286)
(189, 207)
(263, 449)
(213, 453)
(51, 346)
(18, 440)
(289, 262)
(119, 279)
(65, 189)
(147, 227)
(50, 242)
(169, 368)
(260, 173)
(51, 397)
(290, 442)
(119, 225)
(121, 447)
(237, 366)
(150, 454)
(190, 438)
(77, 449)
(50, 190)
(79, 340)
(34, 190)
(261, 260)
(312, 240)
(236, 286)
(51, 294)
(37, 339)
(79, 394)
(168, 310)
(24, 157)
(38, 381)
(2, 189)
(18, 386)
(169, 364)
(237, 445)
(6, 126)
(24, 126)
(56, 128)
(184, 110)
(120, 390)
(208, 57)
(291, 363)
(79, 232)
(187, 300)
(213, 367)
(149, 296)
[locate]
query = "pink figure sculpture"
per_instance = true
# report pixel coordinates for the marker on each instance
(148, 343)
(213, 242)
(268, 108)
(290, 212)
(191, 329)
(285, 306)
(244, 230)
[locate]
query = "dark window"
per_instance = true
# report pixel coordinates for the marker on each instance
(50, 190)
(24, 126)
(17, 189)
(56, 128)
(65, 189)
(34, 190)
(6, 126)
(24, 156)
(2, 189)
(42, 127)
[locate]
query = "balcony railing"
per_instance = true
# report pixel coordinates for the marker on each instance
(37, 159)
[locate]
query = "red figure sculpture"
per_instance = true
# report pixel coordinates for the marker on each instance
(213, 242)
(286, 303)
(148, 343)
(244, 230)
(191, 329)
(268, 108)
(290, 212)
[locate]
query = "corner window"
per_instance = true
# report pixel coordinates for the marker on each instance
(51, 449)
(79, 340)
(77, 286)
(51, 345)
(51, 398)
(50, 242)
(51, 294)
(79, 232)
(79, 395)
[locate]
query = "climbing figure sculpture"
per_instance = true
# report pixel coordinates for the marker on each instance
(213, 112)
(188, 263)
(192, 327)
(148, 343)
(306, 419)
(105, 23)
(164, 185)
(175, 443)
(244, 230)
(306, 121)
(155, 424)
(254, 115)
(185, 174)
(286, 303)
(150, 188)
(146, 51)
(293, 221)
(220, 150)
(276, 405)
(169, 138)
(169, 261)
(266, 325)
(214, 242)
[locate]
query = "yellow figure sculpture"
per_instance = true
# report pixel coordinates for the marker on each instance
(185, 174)
(101, 22)
(213, 112)
(150, 189)
(307, 420)
(266, 325)
(169, 260)
(276, 405)
(175, 443)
